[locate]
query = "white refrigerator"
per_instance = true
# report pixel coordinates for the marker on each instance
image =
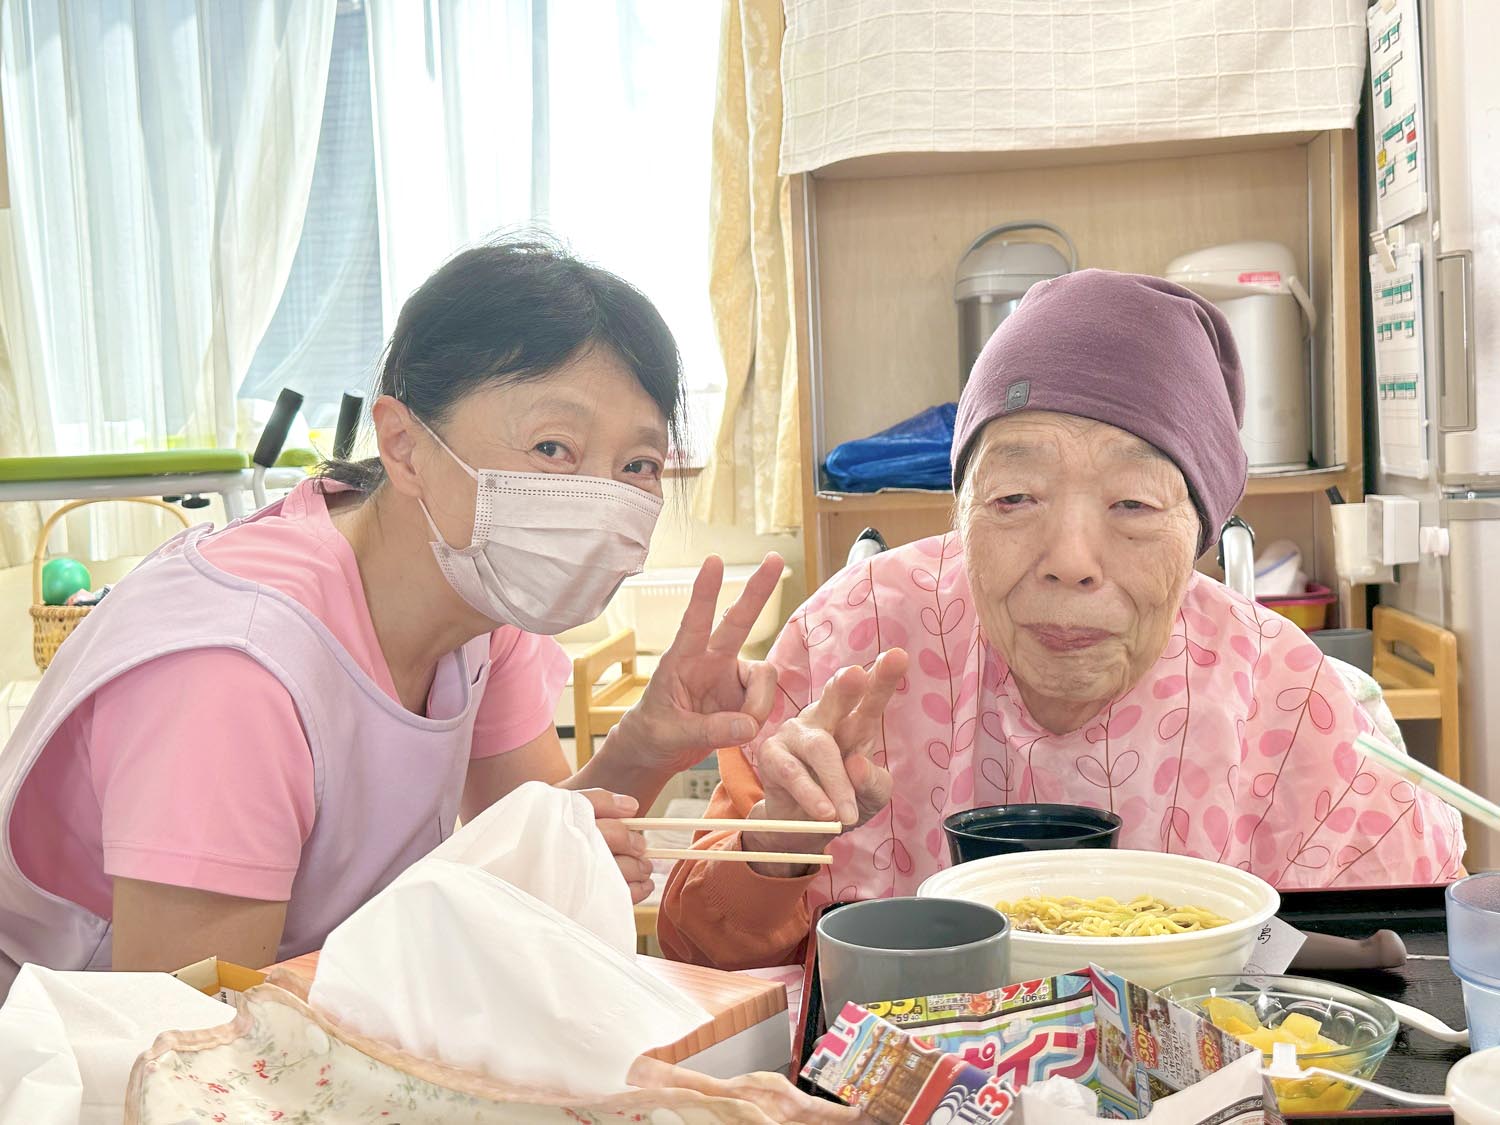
(1456, 583)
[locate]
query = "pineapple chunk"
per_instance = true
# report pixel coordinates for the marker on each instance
(1221, 1009)
(1235, 1026)
(1304, 1030)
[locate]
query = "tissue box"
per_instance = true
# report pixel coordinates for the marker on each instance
(220, 979)
(1129, 1045)
(750, 1030)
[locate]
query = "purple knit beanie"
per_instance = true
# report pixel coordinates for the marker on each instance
(1138, 352)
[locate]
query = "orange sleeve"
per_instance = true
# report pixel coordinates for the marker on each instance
(724, 914)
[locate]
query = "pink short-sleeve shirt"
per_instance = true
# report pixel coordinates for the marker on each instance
(193, 770)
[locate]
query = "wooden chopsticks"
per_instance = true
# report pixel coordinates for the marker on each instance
(784, 827)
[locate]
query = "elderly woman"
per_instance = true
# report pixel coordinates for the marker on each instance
(1061, 648)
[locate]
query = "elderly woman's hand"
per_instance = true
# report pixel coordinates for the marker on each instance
(819, 765)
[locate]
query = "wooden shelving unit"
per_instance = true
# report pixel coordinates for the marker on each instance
(877, 241)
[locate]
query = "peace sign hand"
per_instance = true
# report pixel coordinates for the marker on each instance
(702, 696)
(818, 766)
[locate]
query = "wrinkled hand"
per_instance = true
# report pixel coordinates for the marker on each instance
(628, 848)
(819, 765)
(702, 695)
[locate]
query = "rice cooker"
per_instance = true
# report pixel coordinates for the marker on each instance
(993, 276)
(1254, 284)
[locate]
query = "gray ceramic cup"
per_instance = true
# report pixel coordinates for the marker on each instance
(903, 948)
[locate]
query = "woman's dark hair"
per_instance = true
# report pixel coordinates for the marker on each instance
(516, 308)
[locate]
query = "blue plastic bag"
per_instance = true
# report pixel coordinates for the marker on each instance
(911, 454)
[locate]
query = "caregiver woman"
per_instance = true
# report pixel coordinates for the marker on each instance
(1062, 648)
(262, 726)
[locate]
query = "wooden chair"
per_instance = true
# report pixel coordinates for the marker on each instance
(1412, 691)
(596, 709)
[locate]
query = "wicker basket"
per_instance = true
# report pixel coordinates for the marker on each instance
(51, 624)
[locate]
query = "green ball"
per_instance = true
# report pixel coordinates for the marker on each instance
(62, 578)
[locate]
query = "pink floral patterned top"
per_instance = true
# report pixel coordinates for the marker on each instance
(1236, 746)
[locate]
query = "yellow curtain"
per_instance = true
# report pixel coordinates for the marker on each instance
(754, 468)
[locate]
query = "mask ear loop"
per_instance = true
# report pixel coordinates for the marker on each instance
(459, 461)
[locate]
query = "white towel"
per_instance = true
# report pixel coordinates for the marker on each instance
(863, 77)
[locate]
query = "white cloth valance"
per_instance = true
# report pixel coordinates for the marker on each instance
(863, 77)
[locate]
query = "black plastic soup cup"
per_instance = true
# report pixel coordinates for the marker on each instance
(1006, 829)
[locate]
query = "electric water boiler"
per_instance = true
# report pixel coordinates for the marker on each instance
(992, 278)
(1271, 315)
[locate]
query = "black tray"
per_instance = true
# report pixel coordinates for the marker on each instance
(1415, 1063)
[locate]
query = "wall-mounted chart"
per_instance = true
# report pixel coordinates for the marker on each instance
(1396, 97)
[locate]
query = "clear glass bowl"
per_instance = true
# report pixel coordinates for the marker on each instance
(1362, 1025)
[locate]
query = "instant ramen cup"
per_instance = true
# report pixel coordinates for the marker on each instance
(1006, 829)
(1247, 901)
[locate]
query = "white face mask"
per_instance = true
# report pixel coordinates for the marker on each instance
(549, 550)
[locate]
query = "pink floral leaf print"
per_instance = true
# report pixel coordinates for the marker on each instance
(1095, 734)
(935, 843)
(937, 797)
(1243, 647)
(859, 593)
(1201, 623)
(1171, 724)
(1216, 825)
(951, 546)
(1275, 743)
(1363, 784)
(1342, 818)
(936, 708)
(894, 634)
(1312, 857)
(1124, 767)
(963, 738)
(904, 813)
(1373, 822)
(1418, 821)
(1304, 656)
(1345, 761)
(996, 772)
(882, 857)
(1242, 687)
(849, 892)
(1168, 686)
(938, 751)
(1403, 793)
(862, 636)
(1166, 776)
(1263, 785)
(930, 549)
(932, 663)
(1347, 855)
(1244, 826)
(1175, 645)
(1422, 871)
(966, 690)
(1196, 778)
(963, 787)
(1201, 656)
(1091, 769)
(953, 613)
(1321, 805)
(903, 858)
(1296, 846)
(1270, 628)
(819, 633)
(1292, 699)
(989, 722)
(1175, 822)
(1319, 712)
(924, 580)
(1123, 721)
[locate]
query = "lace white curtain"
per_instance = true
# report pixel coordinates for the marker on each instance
(149, 249)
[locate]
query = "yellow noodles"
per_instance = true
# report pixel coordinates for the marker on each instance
(1105, 917)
